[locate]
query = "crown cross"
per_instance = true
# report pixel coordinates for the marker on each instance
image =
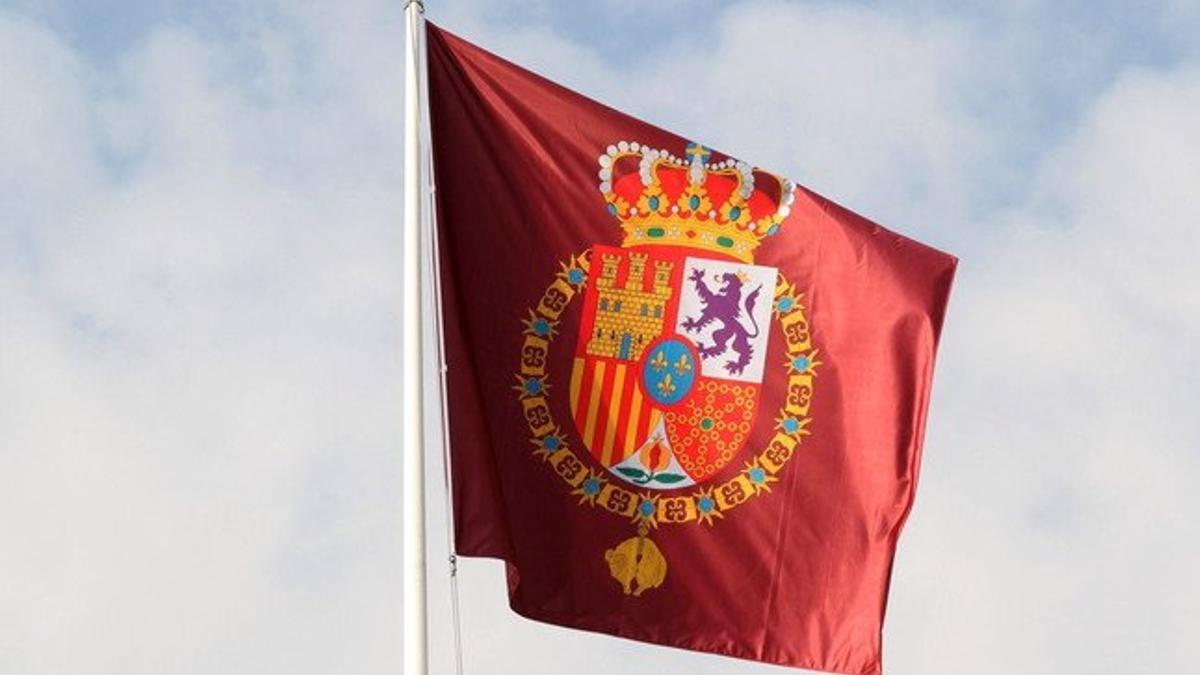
(698, 152)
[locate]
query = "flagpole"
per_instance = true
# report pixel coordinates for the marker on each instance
(439, 346)
(415, 611)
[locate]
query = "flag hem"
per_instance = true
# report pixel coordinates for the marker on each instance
(573, 623)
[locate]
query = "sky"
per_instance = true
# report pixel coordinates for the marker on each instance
(199, 317)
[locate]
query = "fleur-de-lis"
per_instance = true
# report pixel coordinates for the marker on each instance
(659, 362)
(683, 365)
(666, 387)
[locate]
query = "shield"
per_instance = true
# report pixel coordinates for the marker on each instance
(669, 362)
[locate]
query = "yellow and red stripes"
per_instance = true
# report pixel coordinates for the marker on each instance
(610, 412)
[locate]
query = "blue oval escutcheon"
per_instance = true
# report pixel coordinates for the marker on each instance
(669, 371)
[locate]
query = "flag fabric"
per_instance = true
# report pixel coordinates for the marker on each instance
(686, 396)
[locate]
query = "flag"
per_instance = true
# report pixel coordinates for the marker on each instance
(686, 395)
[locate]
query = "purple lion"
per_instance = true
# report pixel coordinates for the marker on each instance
(725, 306)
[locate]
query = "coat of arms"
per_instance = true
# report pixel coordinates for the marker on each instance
(671, 350)
(668, 363)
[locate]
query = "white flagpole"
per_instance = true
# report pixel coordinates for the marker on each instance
(439, 346)
(415, 614)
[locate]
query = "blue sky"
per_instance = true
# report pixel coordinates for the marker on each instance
(199, 292)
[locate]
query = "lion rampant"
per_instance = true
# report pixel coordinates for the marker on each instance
(725, 306)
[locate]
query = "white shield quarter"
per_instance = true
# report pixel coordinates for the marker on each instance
(725, 309)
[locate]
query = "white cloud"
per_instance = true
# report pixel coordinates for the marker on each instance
(1063, 430)
(196, 367)
(198, 375)
(864, 106)
(42, 128)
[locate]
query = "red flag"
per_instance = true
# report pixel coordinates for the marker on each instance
(687, 397)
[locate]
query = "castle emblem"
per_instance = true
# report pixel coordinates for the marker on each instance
(631, 312)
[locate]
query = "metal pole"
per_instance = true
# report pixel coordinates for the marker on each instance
(415, 612)
(435, 272)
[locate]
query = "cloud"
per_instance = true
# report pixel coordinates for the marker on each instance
(1062, 429)
(197, 373)
(199, 266)
(862, 105)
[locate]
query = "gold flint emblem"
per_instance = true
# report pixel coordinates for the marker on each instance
(637, 563)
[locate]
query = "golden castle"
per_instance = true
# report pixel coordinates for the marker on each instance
(629, 317)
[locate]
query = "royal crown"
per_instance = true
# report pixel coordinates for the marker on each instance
(725, 206)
